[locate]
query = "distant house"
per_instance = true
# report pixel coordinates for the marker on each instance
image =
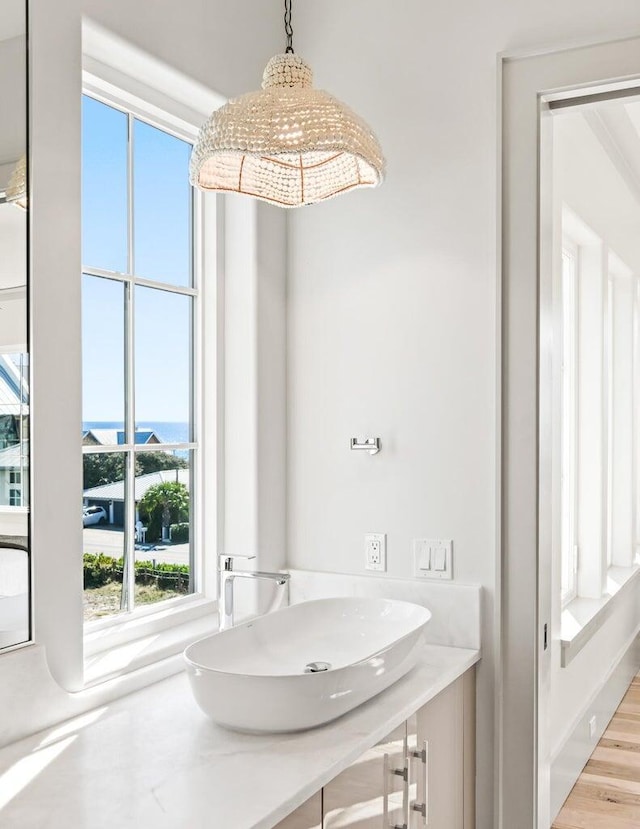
(115, 437)
(111, 496)
(14, 403)
(14, 464)
(14, 432)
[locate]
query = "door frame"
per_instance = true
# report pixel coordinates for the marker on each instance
(527, 81)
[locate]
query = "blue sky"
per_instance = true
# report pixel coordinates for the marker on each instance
(162, 233)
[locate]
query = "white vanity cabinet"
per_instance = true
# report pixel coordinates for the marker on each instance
(371, 793)
(441, 749)
(421, 776)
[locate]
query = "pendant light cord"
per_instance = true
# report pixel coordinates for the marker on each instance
(287, 26)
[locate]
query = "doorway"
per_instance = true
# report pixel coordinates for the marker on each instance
(570, 261)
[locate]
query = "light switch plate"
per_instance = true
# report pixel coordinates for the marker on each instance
(433, 558)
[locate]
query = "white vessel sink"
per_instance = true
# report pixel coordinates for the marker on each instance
(255, 677)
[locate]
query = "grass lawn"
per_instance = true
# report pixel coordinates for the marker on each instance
(105, 600)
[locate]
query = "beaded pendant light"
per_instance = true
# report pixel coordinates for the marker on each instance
(288, 144)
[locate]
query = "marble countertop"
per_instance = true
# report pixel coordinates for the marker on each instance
(152, 759)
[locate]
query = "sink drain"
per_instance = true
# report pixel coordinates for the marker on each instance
(316, 667)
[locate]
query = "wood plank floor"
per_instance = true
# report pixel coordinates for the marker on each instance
(607, 794)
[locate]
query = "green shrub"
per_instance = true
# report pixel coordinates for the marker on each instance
(179, 532)
(165, 576)
(100, 569)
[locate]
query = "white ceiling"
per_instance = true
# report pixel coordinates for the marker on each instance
(13, 246)
(597, 170)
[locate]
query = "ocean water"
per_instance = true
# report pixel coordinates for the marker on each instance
(167, 432)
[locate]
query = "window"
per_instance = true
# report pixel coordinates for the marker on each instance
(15, 498)
(80, 655)
(15, 477)
(597, 318)
(569, 541)
(140, 294)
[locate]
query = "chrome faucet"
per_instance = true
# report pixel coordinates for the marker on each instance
(225, 587)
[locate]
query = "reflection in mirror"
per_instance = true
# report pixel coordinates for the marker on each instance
(596, 351)
(14, 359)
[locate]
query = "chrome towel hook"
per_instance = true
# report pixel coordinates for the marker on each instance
(370, 445)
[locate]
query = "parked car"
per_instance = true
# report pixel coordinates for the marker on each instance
(93, 515)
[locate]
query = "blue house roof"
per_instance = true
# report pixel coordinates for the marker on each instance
(116, 437)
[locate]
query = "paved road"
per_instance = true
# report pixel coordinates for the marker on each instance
(111, 543)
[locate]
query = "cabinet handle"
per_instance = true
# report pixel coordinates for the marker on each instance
(404, 774)
(423, 808)
(385, 790)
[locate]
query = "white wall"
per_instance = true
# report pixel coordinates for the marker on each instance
(223, 45)
(392, 293)
(254, 391)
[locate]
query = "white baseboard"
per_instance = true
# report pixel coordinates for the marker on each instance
(575, 752)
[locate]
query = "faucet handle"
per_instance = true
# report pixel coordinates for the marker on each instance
(227, 559)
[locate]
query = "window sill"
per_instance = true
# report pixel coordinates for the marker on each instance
(581, 618)
(111, 652)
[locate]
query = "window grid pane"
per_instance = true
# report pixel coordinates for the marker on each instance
(163, 358)
(156, 432)
(103, 359)
(162, 205)
(104, 530)
(164, 514)
(104, 185)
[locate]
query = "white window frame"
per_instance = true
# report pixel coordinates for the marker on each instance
(636, 421)
(584, 613)
(622, 281)
(569, 421)
(66, 672)
(589, 254)
(609, 322)
(246, 345)
(135, 108)
(173, 623)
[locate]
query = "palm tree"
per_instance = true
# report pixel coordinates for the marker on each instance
(164, 504)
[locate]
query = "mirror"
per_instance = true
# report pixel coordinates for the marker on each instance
(14, 357)
(590, 347)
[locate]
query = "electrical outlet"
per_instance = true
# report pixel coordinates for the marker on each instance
(433, 558)
(375, 551)
(592, 726)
